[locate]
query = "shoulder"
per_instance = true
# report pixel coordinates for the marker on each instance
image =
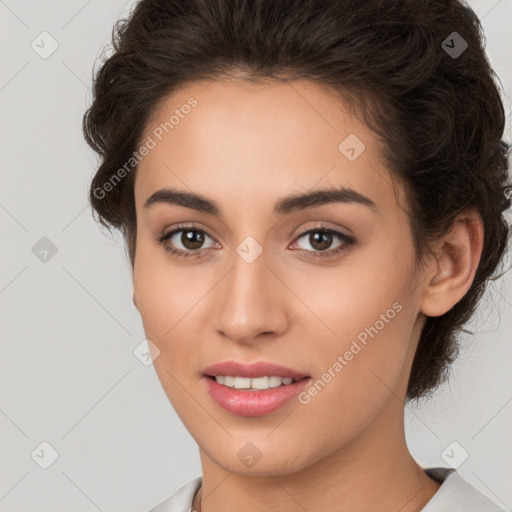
(181, 500)
(456, 494)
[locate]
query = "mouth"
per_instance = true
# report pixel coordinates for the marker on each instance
(253, 390)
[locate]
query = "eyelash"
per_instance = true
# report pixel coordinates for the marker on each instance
(347, 241)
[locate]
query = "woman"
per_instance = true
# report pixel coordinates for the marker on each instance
(311, 194)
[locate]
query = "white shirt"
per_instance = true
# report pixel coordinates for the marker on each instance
(454, 495)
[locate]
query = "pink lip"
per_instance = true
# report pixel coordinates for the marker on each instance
(252, 403)
(259, 369)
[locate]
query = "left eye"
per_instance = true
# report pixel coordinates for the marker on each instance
(321, 240)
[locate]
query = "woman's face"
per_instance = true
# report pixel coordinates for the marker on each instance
(261, 278)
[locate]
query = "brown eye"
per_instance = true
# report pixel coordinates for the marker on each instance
(185, 241)
(192, 239)
(321, 240)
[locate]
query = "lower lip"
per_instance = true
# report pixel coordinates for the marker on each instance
(253, 403)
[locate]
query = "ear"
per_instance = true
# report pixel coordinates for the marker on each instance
(134, 300)
(456, 258)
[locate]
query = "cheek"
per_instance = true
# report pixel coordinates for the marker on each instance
(368, 349)
(363, 325)
(166, 296)
(171, 300)
(360, 296)
(358, 374)
(164, 292)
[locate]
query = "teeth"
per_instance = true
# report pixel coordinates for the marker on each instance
(274, 382)
(254, 383)
(242, 383)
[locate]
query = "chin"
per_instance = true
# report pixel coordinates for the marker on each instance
(252, 459)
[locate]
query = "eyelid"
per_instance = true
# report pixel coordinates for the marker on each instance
(183, 227)
(327, 226)
(333, 231)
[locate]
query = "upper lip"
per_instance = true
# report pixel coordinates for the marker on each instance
(258, 369)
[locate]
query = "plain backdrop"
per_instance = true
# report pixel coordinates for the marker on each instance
(69, 377)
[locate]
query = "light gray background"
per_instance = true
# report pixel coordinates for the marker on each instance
(68, 373)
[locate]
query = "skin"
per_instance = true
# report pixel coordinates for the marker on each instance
(246, 146)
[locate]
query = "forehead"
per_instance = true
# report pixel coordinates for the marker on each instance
(252, 139)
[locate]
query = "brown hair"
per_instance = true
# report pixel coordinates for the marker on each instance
(433, 102)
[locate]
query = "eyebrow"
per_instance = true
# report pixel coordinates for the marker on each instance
(282, 207)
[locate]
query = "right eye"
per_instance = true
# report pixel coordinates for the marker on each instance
(190, 238)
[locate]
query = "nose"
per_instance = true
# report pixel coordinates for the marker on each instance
(252, 301)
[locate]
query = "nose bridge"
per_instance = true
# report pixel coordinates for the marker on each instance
(250, 302)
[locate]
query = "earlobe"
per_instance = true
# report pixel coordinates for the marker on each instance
(454, 267)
